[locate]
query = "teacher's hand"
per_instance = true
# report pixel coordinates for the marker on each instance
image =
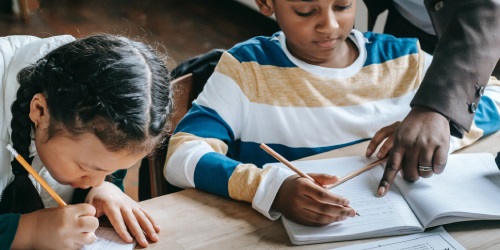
(420, 147)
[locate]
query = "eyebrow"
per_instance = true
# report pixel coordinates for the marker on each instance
(94, 167)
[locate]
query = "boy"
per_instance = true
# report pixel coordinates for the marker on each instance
(315, 86)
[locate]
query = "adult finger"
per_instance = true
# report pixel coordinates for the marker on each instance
(385, 149)
(410, 165)
(379, 137)
(425, 166)
(391, 169)
(440, 159)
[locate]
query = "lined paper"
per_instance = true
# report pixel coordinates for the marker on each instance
(108, 239)
(388, 215)
(431, 240)
(466, 190)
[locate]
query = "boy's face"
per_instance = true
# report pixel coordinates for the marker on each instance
(315, 30)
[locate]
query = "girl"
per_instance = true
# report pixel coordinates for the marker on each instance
(83, 111)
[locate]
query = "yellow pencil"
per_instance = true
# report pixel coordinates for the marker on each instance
(38, 178)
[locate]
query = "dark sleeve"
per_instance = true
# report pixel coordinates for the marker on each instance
(466, 54)
(117, 178)
(8, 228)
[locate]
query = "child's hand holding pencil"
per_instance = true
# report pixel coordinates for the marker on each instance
(65, 227)
(306, 200)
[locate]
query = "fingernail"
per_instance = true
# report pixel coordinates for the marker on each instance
(381, 191)
(346, 203)
(352, 214)
(368, 151)
(379, 155)
(155, 236)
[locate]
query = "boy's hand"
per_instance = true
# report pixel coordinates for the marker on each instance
(305, 202)
(67, 227)
(123, 213)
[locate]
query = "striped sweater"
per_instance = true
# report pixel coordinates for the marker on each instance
(260, 93)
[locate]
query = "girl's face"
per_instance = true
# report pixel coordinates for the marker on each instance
(81, 161)
(316, 30)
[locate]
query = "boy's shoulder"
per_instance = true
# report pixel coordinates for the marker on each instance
(385, 47)
(259, 49)
(377, 38)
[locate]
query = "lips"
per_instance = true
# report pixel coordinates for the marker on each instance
(326, 43)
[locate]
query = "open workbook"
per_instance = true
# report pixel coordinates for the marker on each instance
(468, 189)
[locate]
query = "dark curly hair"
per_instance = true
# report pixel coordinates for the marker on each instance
(110, 86)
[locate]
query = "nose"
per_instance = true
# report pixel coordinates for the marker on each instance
(95, 180)
(327, 22)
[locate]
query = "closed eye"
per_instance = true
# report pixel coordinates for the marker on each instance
(305, 14)
(346, 7)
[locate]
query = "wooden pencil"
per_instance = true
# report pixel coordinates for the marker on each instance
(357, 172)
(290, 165)
(37, 177)
(286, 162)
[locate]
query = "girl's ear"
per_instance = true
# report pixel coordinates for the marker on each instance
(39, 112)
(265, 7)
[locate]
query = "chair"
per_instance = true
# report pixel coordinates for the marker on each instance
(152, 166)
(26, 7)
(189, 79)
(375, 7)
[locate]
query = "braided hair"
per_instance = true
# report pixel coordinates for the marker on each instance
(110, 86)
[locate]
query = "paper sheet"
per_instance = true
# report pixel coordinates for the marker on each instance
(389, 215)
(432, 240)
(108, 239)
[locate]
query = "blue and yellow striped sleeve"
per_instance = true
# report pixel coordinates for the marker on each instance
(198, 155)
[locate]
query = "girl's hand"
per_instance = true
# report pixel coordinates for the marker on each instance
(67, 227)
(123, 213)
(305, 202)
(379, 137)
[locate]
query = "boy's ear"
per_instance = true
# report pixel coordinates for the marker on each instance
(265, 7)
(39, 112)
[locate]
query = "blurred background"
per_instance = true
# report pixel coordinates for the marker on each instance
(178, 29)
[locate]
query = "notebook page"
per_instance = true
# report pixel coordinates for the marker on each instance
(388, 215)
(467, 189)
(108, 239)
(430, 240)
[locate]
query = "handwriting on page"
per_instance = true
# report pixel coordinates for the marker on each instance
(437, 239)
(108, 239)
(375, 213)
(373, 210)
